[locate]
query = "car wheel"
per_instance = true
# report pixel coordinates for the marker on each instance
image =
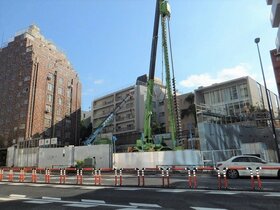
(232, 174)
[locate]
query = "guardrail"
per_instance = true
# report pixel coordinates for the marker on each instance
(161, 176)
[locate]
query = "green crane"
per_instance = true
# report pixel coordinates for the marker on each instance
(146, 143)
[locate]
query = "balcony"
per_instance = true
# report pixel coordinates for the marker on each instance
(275, 13)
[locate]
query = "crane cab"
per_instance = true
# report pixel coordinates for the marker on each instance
(165, 9)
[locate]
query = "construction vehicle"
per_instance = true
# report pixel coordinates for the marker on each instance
(108, 120)
(146, 143)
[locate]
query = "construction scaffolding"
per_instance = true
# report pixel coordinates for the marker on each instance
(221, 115)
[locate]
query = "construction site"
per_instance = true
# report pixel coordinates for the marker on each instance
(150, 123)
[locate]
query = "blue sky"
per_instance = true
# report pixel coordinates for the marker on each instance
(109, 41)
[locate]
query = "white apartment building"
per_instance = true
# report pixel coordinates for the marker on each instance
(234, 97)
(128, 122)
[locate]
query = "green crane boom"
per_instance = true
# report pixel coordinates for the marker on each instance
(162, 11)
(150, 85)
(165, 13)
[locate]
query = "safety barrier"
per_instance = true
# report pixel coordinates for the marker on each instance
(160, 176)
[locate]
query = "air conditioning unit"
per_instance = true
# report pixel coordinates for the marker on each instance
(49, 77)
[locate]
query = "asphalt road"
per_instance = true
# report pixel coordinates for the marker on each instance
(49, 196)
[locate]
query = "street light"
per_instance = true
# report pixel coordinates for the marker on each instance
(257, 40)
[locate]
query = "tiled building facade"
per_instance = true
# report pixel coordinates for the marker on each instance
(40, 91)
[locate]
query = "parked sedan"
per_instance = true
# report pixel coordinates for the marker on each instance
(236, 165)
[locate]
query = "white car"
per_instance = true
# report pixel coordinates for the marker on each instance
(235, 165)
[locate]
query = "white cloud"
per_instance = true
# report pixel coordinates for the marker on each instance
(98, 82)
(196, 80)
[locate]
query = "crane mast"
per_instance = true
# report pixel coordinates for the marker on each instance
(162, 11)
(150, 86)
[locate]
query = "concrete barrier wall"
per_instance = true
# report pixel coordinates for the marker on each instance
(68, 156)
(152, 159)
(10, 156)
(59, 157)
(26, 157)
(102, 154)
(56, 157)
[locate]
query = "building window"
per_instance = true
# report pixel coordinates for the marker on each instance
(48, 108)
(50, 98)
(60, 101)
(233, 93)
(50, 87)
(69, 93)
(58, 111)
(47, 123)
(60, 91)
(50, 76)
(60, 81)
(22, 126)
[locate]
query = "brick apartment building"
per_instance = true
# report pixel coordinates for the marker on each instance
(40, 91)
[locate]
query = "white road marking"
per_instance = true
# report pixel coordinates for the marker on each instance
(17, 196)
(51, 198)
(81, 205)
(92, 187)
(92, 201)
(145, 205)
(172, 190)
(38, 202)
(221, 193)
(61, 186)
(205, 208)
(7, 199)
(273, 195)
(37, 185)
(16, 184)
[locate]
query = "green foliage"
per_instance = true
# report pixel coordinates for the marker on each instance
(80, 163)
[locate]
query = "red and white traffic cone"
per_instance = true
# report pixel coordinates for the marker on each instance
(259, 178)
(167, 177)
(194, 179)
(219, 179)
(162, 177)
(225, 178)
(120, 177)
(116, 177)
(143, 177)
